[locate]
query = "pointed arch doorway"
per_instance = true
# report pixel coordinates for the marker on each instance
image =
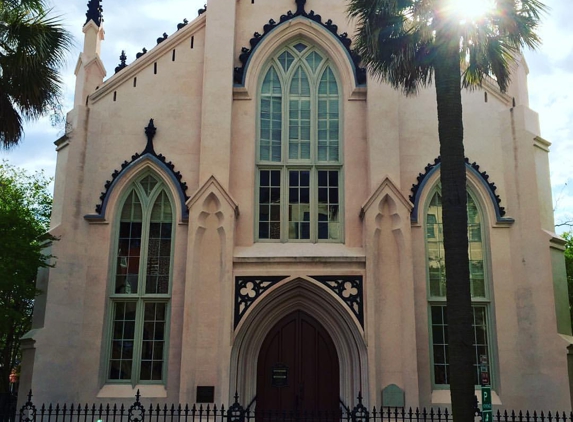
(298, 367)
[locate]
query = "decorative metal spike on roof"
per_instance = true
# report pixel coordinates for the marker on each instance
(182, 24)
(163, 38)
(138, 55)
(95, 12)
(122, 64)
(150, 132)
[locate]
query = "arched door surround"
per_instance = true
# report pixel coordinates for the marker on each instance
(299, 294)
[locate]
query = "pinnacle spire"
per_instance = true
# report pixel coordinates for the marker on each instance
(122, 64)
(95, 12)
(300, 7)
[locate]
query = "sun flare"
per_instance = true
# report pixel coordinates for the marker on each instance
(470, 10)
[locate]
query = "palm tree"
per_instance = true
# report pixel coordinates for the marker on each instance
(32, 49)
(410, 44)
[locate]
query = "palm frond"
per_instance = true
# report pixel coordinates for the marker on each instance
(33, 46)
(396, 39)
(394, 42)
(11, 127)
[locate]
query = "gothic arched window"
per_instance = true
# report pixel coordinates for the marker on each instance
(141, 284)
(299, 180)
(437, 289)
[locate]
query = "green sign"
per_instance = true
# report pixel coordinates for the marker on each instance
(486, 409)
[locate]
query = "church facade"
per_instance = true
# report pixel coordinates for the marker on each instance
(244, 209)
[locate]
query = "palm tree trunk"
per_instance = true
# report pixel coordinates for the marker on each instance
(454, 200)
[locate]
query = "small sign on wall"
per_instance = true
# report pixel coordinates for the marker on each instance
(279, 375)
(393, 396)
(205, 394)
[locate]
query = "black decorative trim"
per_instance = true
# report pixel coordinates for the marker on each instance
(421, 177)
(349, 289)
(430, 168)
(136, 412)
(28, 412)
(248, 290)
(203, 10)
(491, 185)
(95, 12)
(150, 132)
(236, 412)
(122, 64)
(143, 51)
(239, 73)
(163, 38)
(182, 24)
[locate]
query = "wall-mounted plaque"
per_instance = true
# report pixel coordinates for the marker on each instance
(279, 374)
(393, 396)
(205, 394)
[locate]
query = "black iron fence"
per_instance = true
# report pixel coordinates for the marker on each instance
(138, 412)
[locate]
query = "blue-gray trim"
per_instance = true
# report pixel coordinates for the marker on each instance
(474, 168)
(345, 42)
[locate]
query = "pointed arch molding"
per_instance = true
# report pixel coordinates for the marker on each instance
(244, 57)
(305, 294)
(348, 288)
(148, 154)
(473, 168)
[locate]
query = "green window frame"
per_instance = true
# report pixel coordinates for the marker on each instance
(299, 193)
(481, 303)
(140, 288)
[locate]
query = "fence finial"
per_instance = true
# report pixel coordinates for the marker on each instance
(360, 413)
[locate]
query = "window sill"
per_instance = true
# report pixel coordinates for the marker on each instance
(127, 391)
(443, 398)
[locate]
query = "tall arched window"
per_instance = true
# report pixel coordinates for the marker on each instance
(437, 289)
(141, 284)
(299, 143)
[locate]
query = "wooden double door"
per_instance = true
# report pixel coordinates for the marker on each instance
(298, 368)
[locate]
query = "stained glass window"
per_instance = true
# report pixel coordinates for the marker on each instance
(140, 298)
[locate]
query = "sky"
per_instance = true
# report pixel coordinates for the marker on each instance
(131, 25)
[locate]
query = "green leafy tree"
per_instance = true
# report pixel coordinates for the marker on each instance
(32, 49)
(414, 43)
(25, 206)
(568, 236)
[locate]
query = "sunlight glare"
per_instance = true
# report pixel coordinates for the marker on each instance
(470, 10)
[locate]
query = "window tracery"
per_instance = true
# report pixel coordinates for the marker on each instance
(298, 158)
